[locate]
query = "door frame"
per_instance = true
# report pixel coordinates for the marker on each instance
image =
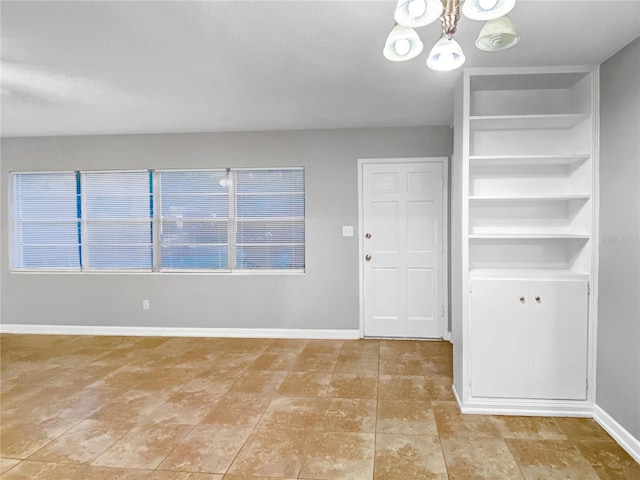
(444, 286)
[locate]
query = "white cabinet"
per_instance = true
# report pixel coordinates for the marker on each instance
(529, 338)
(523, 222)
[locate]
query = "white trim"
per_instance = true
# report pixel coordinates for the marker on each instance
(457, 397)
(523, 407)
(618, 432)
(446, 333)
(181, 332)
(165, 272)
(444, 288)
(360, 250)
(528, 70)
(595, 236)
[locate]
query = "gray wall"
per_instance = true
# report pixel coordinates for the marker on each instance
(325, 297)
(618, 367)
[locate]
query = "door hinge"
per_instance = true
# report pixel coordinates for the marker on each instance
(588, 288)
(587, 384)
(442, 247)
(443, 310)
(442, 181)
(469, 382)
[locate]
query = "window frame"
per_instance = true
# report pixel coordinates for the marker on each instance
(155, 198)
(231, 227)
(233, 199)
(11, 221)
(85, 222)
(157, 267)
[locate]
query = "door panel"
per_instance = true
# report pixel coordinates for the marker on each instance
(499, 340)
(402, 212)
(385, 224)
(420, 182)
(420, 306)
(420, 227)
(386, 306)
(385, 182)
(558, 318)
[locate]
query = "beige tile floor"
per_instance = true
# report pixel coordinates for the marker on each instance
(129, 408)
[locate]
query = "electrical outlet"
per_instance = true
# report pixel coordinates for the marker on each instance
(145, 304)
(347, 230)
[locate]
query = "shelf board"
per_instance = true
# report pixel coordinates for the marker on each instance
(570, 159)
(483, 82)
(522, 273)
(528, 236)
(526, 122)
(539, 198)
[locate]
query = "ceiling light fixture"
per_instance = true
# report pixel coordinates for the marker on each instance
(445, 55)
(486, 9)
(417, 13)
(403, 42)
(497, 34)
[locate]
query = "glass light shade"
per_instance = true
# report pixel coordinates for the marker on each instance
(486, 9)
(445, 55)
(417, 13)
(497, 34)
(402, 44)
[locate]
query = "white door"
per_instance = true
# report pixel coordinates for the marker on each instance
(402, 248)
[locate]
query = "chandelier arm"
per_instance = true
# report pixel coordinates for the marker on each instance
(450, 16)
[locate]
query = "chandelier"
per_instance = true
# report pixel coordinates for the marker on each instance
(403, 43)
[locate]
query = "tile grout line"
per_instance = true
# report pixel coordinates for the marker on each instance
(174, 447)
(375, 429)
(255, 427)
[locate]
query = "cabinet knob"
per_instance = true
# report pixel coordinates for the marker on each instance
(367, 235)
(522, 299)
(537, 299)
(367, 257)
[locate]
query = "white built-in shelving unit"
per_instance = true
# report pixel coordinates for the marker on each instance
(523, 225)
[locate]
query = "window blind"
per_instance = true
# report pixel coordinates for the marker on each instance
(194, 219)
(231, 219)
(117, 220)
(44, 221)
(269, 214)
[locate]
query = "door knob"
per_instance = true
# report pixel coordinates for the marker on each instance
(537, 299)
(368, 235)
(367, 257)
(522, 299)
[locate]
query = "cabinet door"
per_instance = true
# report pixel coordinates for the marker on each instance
(499, 342)
(558, 318)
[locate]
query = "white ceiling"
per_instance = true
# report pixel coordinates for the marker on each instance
(151, 67)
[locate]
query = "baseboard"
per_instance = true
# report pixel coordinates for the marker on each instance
(182, 332)
(525, 407)
(618, 432)
(457, 397)
(523, 411)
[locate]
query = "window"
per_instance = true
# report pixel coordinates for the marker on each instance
(168, 220)
(194, 219)
(232, 219)
(117, 211)
(269, 212)
(44, 221)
